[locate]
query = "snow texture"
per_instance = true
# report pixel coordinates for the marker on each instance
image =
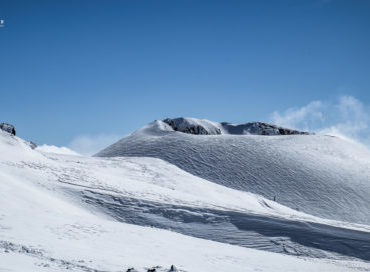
(63, 212)
(321, 175)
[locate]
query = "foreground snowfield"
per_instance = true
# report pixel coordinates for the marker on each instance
(60, 212)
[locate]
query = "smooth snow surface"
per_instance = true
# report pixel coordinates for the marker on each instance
(321, 175)
(64, 212)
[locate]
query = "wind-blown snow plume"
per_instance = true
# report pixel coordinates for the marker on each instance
(346, 117)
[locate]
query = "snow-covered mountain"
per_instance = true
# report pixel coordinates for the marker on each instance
(321, 175)
(60, 211)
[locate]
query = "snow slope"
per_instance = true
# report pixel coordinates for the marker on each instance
(321, 175)
(63, 212)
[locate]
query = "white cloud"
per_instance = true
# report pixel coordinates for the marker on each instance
(56, 149)
(91, 144)
(346, 117)
(300, 117)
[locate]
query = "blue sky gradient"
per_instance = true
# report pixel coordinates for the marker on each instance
(71, 68)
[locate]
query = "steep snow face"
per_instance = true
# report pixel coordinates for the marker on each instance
(205, 127)
(63, 212)
(320, 175)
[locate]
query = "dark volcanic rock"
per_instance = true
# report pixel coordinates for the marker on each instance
(8, 128)
(31, 144)
(259, 128)
(190, 126)
(205, 127)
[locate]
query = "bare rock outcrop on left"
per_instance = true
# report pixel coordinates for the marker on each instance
(8, 128)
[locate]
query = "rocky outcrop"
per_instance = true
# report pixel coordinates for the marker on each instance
(259, 128)
(205, 127)
(8, 128)
(193, 126)
(31, 144)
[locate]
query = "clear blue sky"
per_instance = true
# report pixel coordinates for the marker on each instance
(70, 68)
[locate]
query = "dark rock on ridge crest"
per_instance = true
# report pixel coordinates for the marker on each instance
(260, 128)
(191, 126)
(8, 128)
(205, 127)
(11, 130)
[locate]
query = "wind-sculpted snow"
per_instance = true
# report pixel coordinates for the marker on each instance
(270, 233)
(320, 175)
(73, 213)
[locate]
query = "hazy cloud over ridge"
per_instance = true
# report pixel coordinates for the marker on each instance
(91, 144)
(346, 117)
